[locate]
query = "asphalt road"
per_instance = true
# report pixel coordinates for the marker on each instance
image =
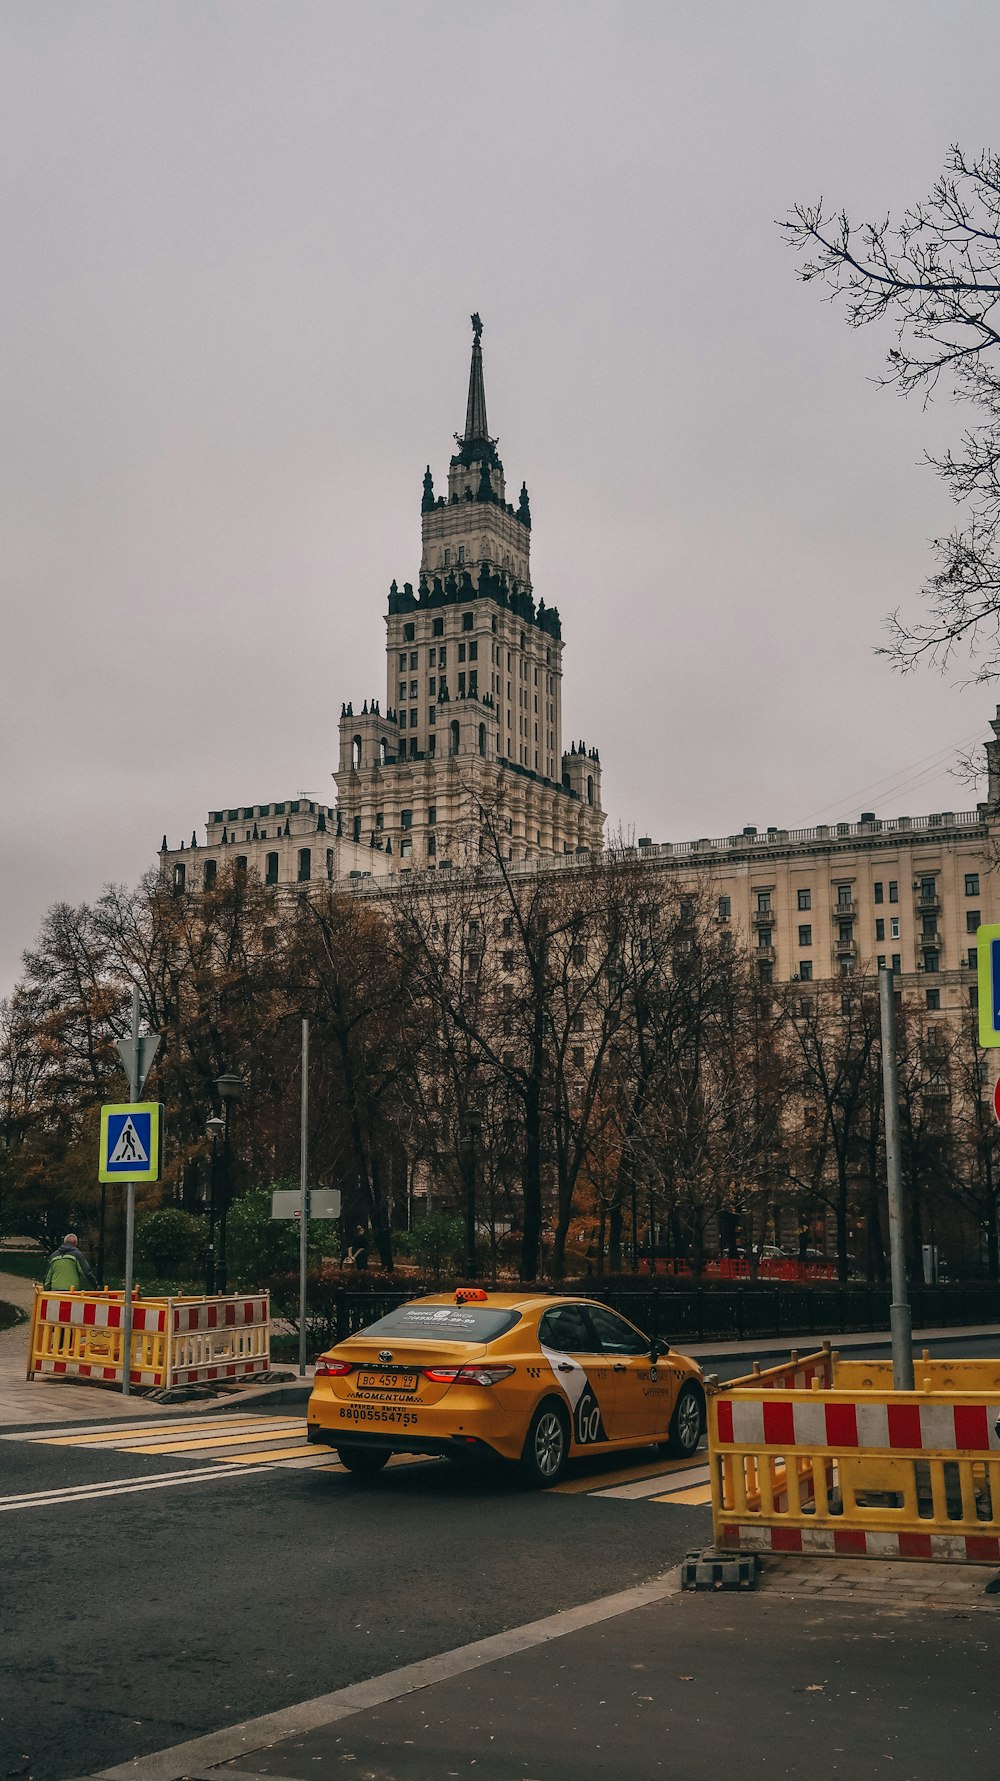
(130, 1622)
(133, 1619)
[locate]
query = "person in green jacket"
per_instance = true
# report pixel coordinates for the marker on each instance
(68, 1270)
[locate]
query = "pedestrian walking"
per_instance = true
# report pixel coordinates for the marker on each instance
(69, 1268)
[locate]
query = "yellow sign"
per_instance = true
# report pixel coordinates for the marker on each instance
(988, 967)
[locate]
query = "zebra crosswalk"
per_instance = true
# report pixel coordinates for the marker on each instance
(230, 1446)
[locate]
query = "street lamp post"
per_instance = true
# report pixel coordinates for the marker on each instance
(229, 1088)
(215, 1128)
(473, 1128)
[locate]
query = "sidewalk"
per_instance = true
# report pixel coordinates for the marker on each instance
(835, 1670)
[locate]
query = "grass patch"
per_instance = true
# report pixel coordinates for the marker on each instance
(27, 1266)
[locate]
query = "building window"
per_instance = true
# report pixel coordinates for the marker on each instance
(402, 658)
(406, 819)
(432, 845)
(973, 917)
(843, 896)
(461, 553)
(447, 558)
(467, 621)
(437, 627)
(180, 876)
(461, 684)
(305, 864)
(974, 988)
(356, 752)
(402, 725)
(413, 720)
(432, 660)
(894, 927)
(455, 736)
(473, 652)
(271, 868)
(846, 931)
(764, 938)
(880, 961)
(933, 998)
(406, 846)
(765, 971)
(972, 884)
(414, 689)
(433, 686)
(893, 891)
(880, 927)
(210, 873)
(241, 862)
(972, 958)
(805, 898)
(409, 633)
(897, 963)
(356, 828)
(577, 1023)
(507, 929)
(461, 652)
(443, 656)
(473, 683)
(432, 715)
(482, 739)
(928, 889)
(507, 961)
(928, 927)
(932, 959)
(805, 970)
(432, 814)
(725, 908)
(279, 809)
(805, 934)
(414, 659)
(878, 890)
(763, 902)
(432, 743)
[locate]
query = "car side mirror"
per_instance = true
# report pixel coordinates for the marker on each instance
(656, 1349)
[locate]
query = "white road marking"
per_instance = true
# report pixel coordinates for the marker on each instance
(664, 1485)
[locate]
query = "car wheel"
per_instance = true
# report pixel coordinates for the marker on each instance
(363, 1459)
(546, 1448)
(687, 1423)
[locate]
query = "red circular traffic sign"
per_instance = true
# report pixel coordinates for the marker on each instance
(996, 1099)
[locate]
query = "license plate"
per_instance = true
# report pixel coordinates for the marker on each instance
(388, 1381)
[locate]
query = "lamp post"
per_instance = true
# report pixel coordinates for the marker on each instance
(215, 1128)
(229, 1088)
(473, 1124)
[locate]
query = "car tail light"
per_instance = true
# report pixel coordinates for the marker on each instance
(467, 1375)
(328, 1368)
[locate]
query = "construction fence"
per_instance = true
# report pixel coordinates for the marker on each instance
(175, 1341)
(824, 1457)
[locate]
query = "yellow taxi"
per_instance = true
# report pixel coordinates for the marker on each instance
(531, 1379)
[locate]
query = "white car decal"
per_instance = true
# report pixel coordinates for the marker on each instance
(571, 1378)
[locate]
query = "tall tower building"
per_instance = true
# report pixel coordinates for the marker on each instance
(472, 720)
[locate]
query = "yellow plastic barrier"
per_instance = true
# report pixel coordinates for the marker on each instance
(854, 1472)
(174, 1341)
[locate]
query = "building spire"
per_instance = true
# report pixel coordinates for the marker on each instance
(475, 413)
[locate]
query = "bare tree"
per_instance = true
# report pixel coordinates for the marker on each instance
(934, 276)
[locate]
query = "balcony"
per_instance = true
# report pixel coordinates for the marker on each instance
(764, 918)
(844, 911)
(765, 953)
(845, 949)
(928, 905)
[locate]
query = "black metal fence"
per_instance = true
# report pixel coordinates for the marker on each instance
(711, 1313)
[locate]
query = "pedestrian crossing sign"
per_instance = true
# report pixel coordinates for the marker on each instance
(131, 1142)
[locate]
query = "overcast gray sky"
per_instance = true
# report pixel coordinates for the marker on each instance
(241, 243)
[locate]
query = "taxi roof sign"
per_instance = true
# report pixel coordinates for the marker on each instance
(131, 1141)
(988, 971)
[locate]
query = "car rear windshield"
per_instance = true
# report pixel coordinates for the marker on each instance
(444, 1323)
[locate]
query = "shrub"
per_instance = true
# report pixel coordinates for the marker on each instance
(435, 1242)
(171, 1242)
(258, 1245)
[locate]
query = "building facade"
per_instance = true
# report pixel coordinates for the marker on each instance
(471, 723)
(470, 727)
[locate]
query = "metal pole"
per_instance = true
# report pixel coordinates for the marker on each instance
(899, 1315)
(222, 1268)
(304, 1197)
(133, 1095)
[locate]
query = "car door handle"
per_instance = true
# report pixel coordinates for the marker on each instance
(564, 1366)
(619, 1367)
